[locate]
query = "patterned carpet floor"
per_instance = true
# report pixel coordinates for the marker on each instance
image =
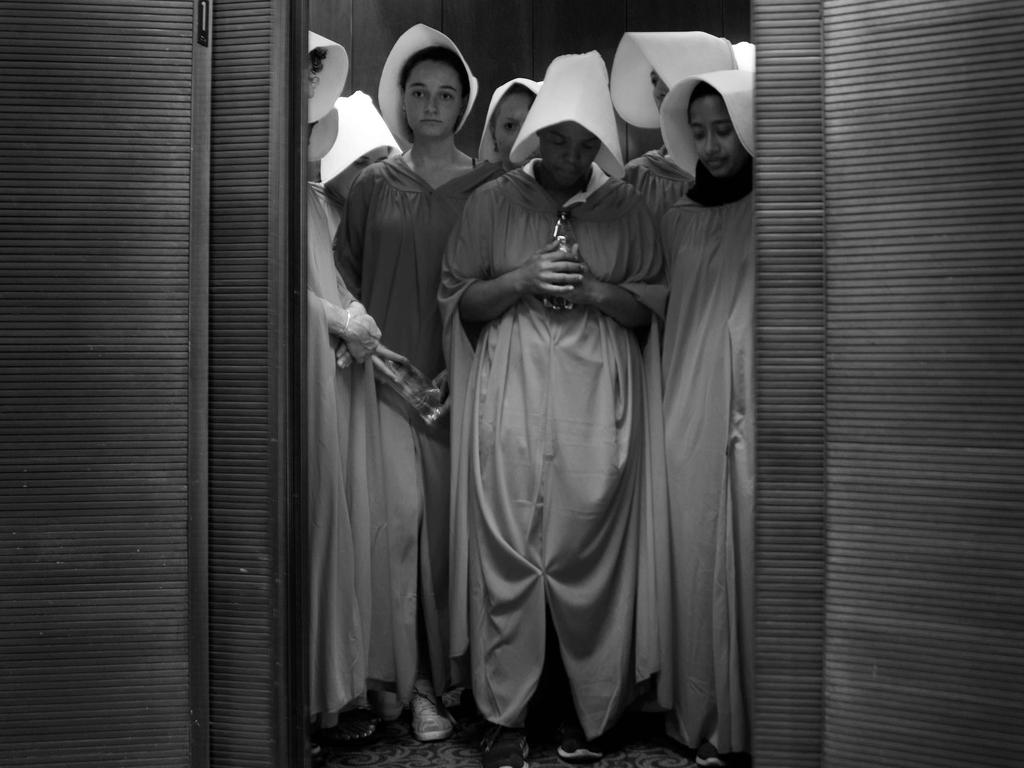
(636, 743)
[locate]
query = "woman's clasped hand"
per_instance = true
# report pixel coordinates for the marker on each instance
(552, 271)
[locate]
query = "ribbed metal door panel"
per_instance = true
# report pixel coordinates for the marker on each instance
(250, 199)
(96, 178)
(790, 554)
(925, 296)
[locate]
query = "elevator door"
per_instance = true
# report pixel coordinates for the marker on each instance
(102, 386)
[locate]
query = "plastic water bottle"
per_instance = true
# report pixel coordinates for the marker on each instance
(566, 239)
(414, 387)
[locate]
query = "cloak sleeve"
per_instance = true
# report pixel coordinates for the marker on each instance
(646, 279)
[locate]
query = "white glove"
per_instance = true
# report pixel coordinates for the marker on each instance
(359, 331)
(342, 357)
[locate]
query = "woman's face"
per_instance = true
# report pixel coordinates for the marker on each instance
(433, 100)
(508, 119)
(342, 183)
(567, 150)
(658, 88)
(718, 145)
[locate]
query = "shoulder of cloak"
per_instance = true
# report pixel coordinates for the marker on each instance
(392, 172)
(657, 164)
(482, 174)
(616, 199)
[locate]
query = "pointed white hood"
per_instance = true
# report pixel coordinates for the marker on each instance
(575, 89)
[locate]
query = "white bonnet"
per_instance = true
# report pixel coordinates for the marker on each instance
(575, 89)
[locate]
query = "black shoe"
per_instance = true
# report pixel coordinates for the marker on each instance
(354, 727)
(708, 757)
(505, 748)
(573, 746)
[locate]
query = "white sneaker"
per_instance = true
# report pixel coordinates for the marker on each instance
(428, 724)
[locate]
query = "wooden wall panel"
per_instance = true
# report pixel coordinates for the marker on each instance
(736, 20)
(376, 24)
(576, 26)
(333, 19)
(497, 41)
(657, 15)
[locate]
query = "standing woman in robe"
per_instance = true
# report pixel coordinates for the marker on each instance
(645, 67)
(509, 106)
(549, 507)
(338, 402)
(400, 213)
(707, 123)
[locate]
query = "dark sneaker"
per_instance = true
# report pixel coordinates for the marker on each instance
(573, 746)
(505, 748)
(707, 756)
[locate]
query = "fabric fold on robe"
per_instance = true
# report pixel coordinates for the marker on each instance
(658, 180)
(552, 430)
(331, 204)
(709, 433)
(343, 475)
(396, 227)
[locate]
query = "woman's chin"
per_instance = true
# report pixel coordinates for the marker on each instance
(433, 130)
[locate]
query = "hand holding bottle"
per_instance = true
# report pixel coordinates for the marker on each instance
(551, 271)
(567, 245)
(589, 290)
(359, 331)
(427, 397)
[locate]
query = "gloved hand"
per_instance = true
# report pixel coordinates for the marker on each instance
(357, 329)
(342, 357)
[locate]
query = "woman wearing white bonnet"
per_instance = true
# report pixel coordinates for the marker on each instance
(510, 103)
(709, 240)
(361, 138)
(325, 58)
(550, 425)
(399, 215)
(328, 70)
(339, 527)
(645, 66)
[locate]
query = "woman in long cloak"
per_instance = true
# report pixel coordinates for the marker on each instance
(551, 514)
(709, 413)
(399, 216)
(340, 442)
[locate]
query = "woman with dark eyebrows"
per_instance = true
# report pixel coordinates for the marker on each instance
(708, 413)
(400, 213)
